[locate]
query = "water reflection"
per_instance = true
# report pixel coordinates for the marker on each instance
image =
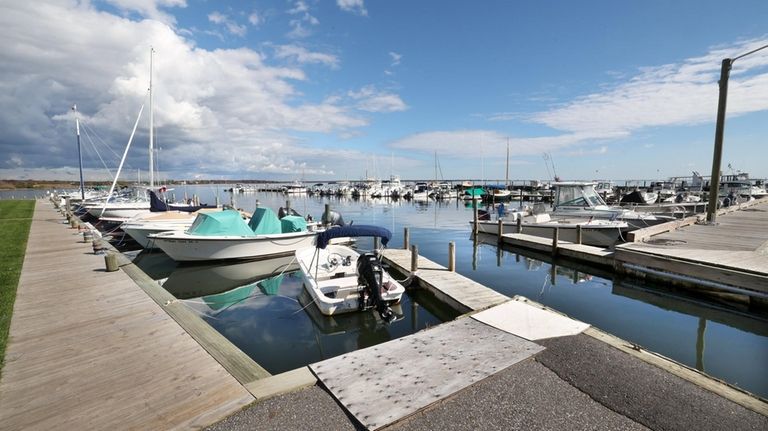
(263, 308)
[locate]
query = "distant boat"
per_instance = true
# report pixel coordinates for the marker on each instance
(295, 188)
(341, 280)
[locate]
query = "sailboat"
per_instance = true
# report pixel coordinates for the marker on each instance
(124, 207)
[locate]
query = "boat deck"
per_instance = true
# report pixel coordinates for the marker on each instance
(89, 349)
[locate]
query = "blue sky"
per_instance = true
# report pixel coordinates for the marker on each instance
(337, 89)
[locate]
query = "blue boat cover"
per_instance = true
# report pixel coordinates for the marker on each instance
(293, 224)
(227, 222)
(354, 231)
(157, 205)
(264, 221)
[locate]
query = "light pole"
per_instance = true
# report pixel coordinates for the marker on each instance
(714, 180)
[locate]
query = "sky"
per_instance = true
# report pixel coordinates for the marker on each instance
(343, 89)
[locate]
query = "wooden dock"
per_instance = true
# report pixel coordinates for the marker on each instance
(457, 291)
(731, 253)
(88, 349)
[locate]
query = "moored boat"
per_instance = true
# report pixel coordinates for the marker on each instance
(225, 235)
(341, 280)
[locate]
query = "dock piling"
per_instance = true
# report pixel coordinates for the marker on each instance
(500, 230)
(555, 235)
(519, 224)
(110, 261)
(452, 256)
(327, 215)
(414, 258)
(406, 238)
(474, 217)
(578, 234)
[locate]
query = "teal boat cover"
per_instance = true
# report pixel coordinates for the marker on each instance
(271, 286)
(293, 224)
(477, 191)
(227, 222)
(264, 221)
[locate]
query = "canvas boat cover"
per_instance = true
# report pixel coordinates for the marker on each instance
(157, 205)
(220, 223)
(264, 221)
(293, 224)
(353, 231)
(477, 191)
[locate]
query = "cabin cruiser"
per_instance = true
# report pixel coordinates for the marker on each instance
(581, 200)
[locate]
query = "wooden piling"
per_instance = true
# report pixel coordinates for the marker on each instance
(452, 256)
(327, 215)
(555, 235)
(406, 238)
(474, 217)
(500, 231)
(414, 258)
(578, 234)
(519, 224)
(110, 261)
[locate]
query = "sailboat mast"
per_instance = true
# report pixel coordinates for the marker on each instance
(79, 153)
(151, 126)
(506, 178)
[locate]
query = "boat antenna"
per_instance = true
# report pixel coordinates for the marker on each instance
(79, 153)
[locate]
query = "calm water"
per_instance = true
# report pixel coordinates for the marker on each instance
(266, 320)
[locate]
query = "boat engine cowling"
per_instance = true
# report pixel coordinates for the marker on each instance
(371, 275)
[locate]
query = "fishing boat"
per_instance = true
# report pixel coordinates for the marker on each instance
(341, 280)
(223, 235)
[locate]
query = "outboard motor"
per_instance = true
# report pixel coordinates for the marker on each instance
(282, 212)
(334, 219)
(371, 275)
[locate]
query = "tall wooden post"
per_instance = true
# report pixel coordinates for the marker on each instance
(578, 234)
(500, 231)
(452, 256)
(406, 238)
(327, 215)
(474, 212)
(414, 258)
(555, 234)
(714, 180)
(519, 224)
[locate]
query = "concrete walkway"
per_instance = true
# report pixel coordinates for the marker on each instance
(88, 349)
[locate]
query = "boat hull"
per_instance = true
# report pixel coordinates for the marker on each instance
(183, 247)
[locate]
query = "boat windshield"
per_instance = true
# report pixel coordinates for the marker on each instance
(583, 196)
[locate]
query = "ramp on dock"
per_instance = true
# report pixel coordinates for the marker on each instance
(88, 349)
(382, 384)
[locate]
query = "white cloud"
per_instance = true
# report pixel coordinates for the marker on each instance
(354, 6)
(231, 26)
(395, 58)
(216, 111)
(303, 56)
(149, 8)
(255, 19)
(683, 93)
(372, 100)
(298, 29)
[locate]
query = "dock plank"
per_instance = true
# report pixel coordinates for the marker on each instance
(89, 349)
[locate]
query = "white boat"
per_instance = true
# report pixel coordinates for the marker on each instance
(576, 199)
(341, 280)
(295, 188)
(223, 235)
(600, 233)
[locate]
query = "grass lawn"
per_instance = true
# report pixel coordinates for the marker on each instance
(15, 219)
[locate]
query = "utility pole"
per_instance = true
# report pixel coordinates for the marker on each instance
(714, 180)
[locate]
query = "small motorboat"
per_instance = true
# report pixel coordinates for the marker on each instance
(341, 280)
